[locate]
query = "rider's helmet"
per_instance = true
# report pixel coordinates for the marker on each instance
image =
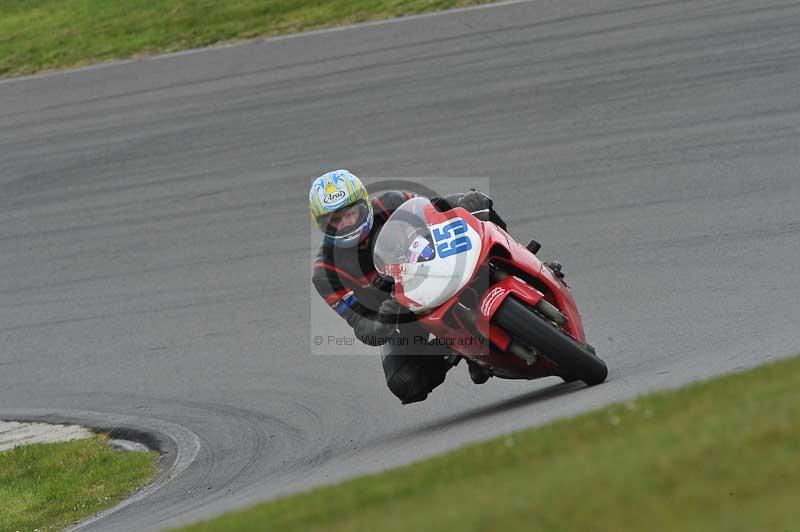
(340, 207)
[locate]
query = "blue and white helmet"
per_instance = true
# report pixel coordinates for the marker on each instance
(337, 195)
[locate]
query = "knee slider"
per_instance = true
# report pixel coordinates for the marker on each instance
(406, 385)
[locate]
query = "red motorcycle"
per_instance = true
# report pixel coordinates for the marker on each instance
(485, 295)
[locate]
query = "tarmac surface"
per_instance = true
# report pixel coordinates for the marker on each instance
(154, 236)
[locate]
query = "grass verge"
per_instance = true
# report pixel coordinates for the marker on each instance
(722, 455)
(49, 486)
(45, 34)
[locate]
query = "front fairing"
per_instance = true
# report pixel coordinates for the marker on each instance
(429, 254)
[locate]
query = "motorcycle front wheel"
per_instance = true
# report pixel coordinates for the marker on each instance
(572, 358)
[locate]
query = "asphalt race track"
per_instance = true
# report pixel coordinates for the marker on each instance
(154, 240)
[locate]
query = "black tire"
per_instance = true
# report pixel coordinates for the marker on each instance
(573, 359)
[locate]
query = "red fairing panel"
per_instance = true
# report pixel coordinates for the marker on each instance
(526, 261)
(504, 364)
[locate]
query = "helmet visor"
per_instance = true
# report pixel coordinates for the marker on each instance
(344, 221)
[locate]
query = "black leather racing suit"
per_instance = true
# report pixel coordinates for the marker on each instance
(348, 282)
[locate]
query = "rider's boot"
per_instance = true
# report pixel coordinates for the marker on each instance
(478, 373)
(555, 267)
(452, 359)
(534, 247)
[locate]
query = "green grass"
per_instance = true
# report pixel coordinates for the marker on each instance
(723, 455)
(49, 486)
(46, 34)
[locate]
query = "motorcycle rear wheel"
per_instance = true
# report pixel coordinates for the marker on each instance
(573, 359)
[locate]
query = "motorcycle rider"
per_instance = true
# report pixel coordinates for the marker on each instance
(345, 277)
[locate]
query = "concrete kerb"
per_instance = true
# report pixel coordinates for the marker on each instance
(177, 446)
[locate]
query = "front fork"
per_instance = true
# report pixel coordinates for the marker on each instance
(501, 286)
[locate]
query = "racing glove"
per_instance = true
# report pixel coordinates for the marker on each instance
(472, 201)
(372, 329)
(475, 200)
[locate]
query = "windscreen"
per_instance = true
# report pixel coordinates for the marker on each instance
(405, 237)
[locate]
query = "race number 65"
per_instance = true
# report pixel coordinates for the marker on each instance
(447, 240)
